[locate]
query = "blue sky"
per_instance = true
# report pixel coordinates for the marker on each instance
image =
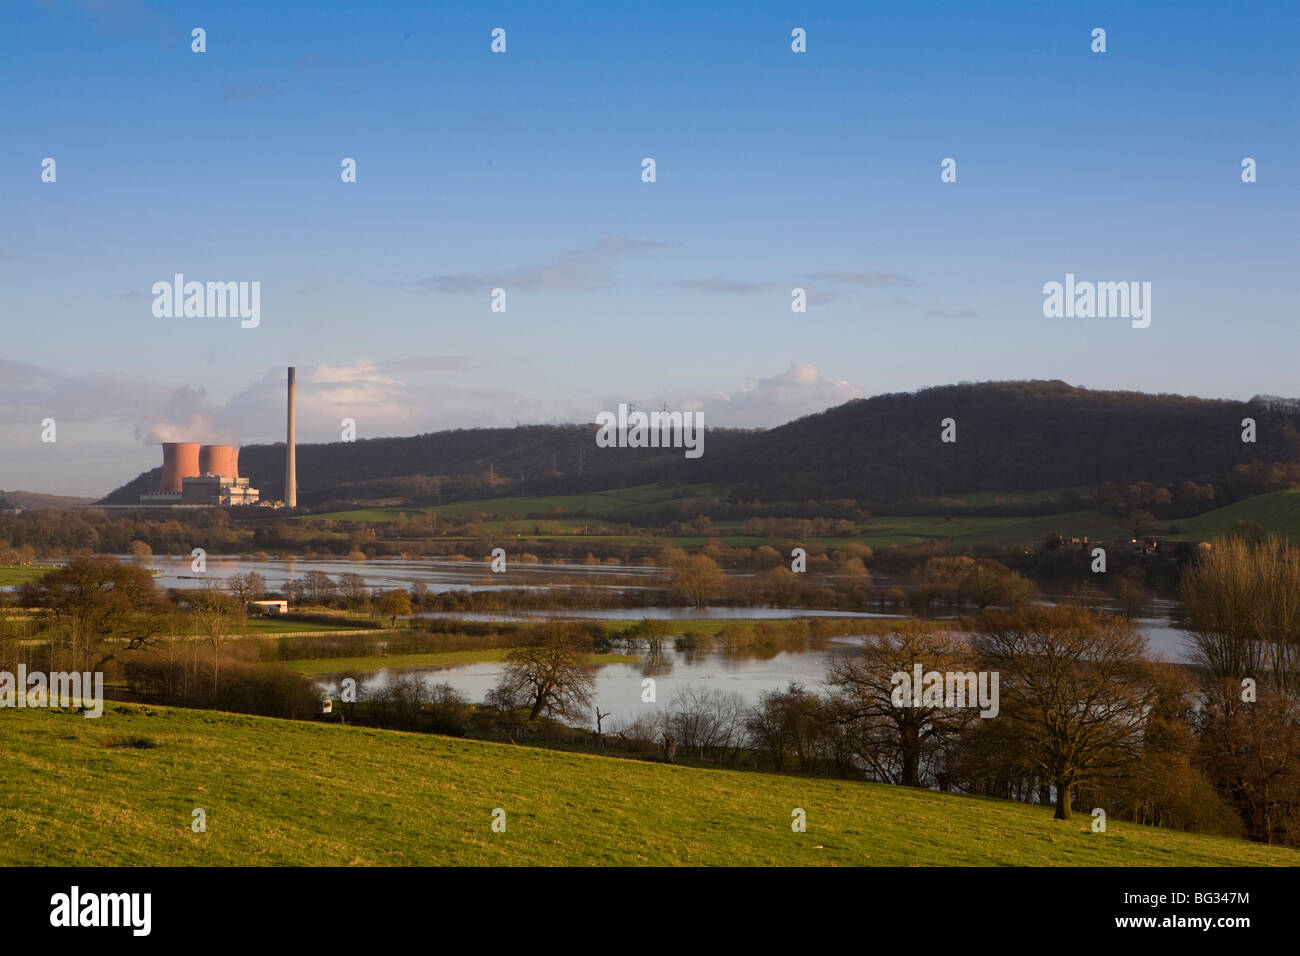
(522, 170)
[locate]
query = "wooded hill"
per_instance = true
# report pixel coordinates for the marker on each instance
(1010, 436)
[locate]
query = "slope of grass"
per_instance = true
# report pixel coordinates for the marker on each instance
(1278, 512)
(120, 790)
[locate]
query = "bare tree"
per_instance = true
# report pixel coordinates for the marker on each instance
(319, 587)
(899, 744)
(708, 720)
(353, 588)
(215, 613)
(940, 578)
(1251, 753)
(1078, 684)
(247, 587)
(987, 582)
(1243, 608)
(795, 726)
(697, 578)
(599, 732)
(394, 603)
(551, 674)
(96, 607)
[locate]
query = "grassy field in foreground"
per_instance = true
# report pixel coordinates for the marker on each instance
(120, 790)
(315, 666)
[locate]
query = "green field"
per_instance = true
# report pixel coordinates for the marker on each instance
(1278, 512)
(962, 532)
(956, 532)
(120, 791)
(612, 509)
(11, 575)
(281, 625)
(618, 504)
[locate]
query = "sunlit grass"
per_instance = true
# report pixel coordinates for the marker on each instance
(120, 790)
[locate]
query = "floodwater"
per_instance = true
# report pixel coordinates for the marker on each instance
(710, 613)
(441, 575)
(438, 574)
(619, 687)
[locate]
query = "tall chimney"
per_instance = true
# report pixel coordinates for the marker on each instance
(290, 464)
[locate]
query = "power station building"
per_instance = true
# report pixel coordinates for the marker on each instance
(208, 475)
(194, 474)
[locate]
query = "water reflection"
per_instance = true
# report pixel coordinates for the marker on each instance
(438, 574)
(619, 686)
(677, 662)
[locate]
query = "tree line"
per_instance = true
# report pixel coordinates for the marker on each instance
(1012, 436)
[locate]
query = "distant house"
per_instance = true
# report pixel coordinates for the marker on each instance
(268, 607)
(1161, 546)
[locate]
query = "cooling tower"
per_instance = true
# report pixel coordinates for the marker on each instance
(290, 451)
(217, 460)
(180, 460)
(234, 462)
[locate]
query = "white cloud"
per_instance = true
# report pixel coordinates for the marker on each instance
(110, 423)
(765, 402)
(403, 397)
(580, 270)
(800, 390)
